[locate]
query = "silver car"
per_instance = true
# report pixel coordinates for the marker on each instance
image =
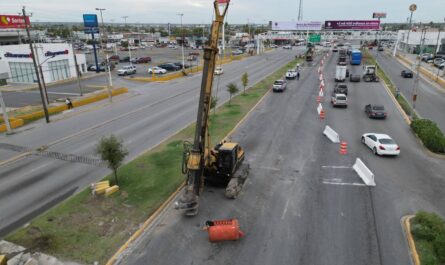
(279, 86)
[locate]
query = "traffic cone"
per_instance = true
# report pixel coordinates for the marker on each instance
(343, 148)
(318, 99)
(322, 114)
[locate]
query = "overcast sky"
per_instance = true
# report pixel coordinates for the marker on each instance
(240, 11)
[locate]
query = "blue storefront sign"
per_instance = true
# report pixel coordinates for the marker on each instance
(90, 21)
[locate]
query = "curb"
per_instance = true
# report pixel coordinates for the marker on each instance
(62, 107)
(163, 206)
(406, 226)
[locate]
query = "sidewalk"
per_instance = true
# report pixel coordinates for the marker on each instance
(16, 87)
(429, 71)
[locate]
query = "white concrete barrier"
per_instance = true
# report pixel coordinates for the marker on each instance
(364, 173)
(320, 93)
(319, 108)
(321, 77)
(331, 134)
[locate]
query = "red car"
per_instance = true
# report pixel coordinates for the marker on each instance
(143, 60)
(114, 58)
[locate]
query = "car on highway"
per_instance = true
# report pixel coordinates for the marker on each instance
(180, 65)
(375, 111)
(406, 74)
(169, 67)
(219, 70)
(339, 100)
(380, 144)
(273, 46)
(237, 52)
(354, 78)
(341, 89)
(335, 49)
(156, 70)
(127, 70)
(288, 47)
(380, 49)
(291, 74)
(279, 86)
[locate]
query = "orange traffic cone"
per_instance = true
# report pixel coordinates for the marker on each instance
(322, 114)
(224, 230)
(343, 148)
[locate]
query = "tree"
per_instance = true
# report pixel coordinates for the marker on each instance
(113, 152)
(245, 81)
(232, 88)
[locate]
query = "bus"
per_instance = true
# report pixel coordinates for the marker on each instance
(356, 57)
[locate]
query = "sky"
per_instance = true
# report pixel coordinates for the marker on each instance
(240, 11)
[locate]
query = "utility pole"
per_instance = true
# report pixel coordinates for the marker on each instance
(125, 19)
(182, 46)
(45, 109)
(5, 114)
(416, 81)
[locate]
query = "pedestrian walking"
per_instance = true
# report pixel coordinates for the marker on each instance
(69, 103)
(298, 75)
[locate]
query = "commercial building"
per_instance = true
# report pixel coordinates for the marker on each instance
(56, 61)
(434, 41)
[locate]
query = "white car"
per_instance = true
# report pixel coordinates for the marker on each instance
(156, 70)
(127, 70)
(219, 70)
(380, 144)
(287, 47)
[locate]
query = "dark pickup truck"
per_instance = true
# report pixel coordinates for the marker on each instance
(341, 89)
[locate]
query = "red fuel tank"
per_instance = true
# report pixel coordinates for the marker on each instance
(224, 230)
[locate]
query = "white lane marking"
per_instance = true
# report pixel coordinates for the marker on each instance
(285, 209)
(39, 167)
(335, 167)
(268, 168)
(343, 183)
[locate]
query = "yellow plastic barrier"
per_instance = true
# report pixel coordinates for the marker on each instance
(111, 190)
(14, 124)
(3, 260)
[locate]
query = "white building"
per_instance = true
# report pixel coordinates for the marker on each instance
(434, 41)
(56, 61)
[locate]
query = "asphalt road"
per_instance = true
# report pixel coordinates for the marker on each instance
(31, 185)
(430, 103)
(302, 203)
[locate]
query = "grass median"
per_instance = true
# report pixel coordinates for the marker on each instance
(85, 228)
(403, 102)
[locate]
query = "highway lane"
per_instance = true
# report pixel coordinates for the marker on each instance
(34, 184)
(301, 203)
(430, 103)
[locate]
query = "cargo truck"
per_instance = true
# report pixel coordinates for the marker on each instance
(340, 73)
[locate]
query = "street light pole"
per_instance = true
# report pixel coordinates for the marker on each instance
(45, 109)
(419, 60)
(182, 40)
(412, 8)
(110, 83)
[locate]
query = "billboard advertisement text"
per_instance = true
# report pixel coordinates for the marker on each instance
(296, 25)
(352, 25)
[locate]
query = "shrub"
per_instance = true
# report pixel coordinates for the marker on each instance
(429, 227)
(431, 136)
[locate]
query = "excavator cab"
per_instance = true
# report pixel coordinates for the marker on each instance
(229, 156)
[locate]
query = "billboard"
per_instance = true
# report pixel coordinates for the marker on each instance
(11, 21)
(378, 15)
(352, 24)
(90, 21)
(296, 25)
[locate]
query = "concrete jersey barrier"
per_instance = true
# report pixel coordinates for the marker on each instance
(331, 134)
(364, 173)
